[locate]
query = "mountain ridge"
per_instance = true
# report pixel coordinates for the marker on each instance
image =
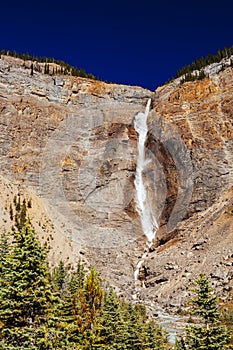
(71, 142)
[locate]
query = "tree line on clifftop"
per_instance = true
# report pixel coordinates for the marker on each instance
(191, 72)
(187, 71)
(62, 67)
(70, 309)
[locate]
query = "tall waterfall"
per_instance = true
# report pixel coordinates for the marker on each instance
(148, 221)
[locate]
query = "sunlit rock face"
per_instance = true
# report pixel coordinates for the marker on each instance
(201, 113)
(72, 142)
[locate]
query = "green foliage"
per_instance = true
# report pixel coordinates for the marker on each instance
(204, 304)
(11, 213)
(4, 250)
(77, 279)
(63, 311)
(46, 68)
(65, 68)
(21, 213)
(211, 338)
(191, 76)
(210, 334)
(59, 277)
(26, 296)
(95, 319)
(187, 71)
(126, 326)
(87, 307)
(180, 344)
(227, 317)
(113, 330)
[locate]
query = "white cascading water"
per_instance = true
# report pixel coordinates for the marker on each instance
(148, 221)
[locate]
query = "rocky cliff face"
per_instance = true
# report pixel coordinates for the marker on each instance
(69, 144)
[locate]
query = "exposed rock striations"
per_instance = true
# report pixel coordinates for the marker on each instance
(70, 144)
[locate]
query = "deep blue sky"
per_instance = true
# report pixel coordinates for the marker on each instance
(125, 41)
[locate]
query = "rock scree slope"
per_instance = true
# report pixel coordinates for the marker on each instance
(69, 144)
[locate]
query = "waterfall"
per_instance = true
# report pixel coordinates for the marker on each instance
(148, 221)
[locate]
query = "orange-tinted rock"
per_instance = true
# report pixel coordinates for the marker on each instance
(72, 142)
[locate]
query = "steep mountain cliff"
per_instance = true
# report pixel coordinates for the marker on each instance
(69, 145)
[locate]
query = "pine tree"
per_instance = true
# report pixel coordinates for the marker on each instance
(156, 338)
(136, 327)
(113, 328)
(66, 320)
(210, 335)
(87, 309)
(25, 292)
(4, 250)
(180, 344)
(11, 213)
(23, 215)
(20, 215)
(204, 304)
(77, 279)
(82, 73)
(59, 277)
(126, 326)
(79, 314)
(84, 317)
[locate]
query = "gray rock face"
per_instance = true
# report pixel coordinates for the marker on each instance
(71, 141)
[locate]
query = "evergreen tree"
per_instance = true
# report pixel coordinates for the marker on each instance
(204, 304)
(21, 214)
(25, 292)
(4, 250)
(77, 279)
(82, 73)
(156, 338)
(136, 327)
(65, 68)
(79, 315)
(113, 328)
(32, 316)
(87, 309)
(59, 277)
(11, 213)
(210, 335)
(66, 321)
(126, 326)
(180, 344)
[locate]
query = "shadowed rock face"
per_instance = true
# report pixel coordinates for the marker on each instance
(162, 154)
(71, 141)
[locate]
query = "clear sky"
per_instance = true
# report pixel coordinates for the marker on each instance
(125, 41)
